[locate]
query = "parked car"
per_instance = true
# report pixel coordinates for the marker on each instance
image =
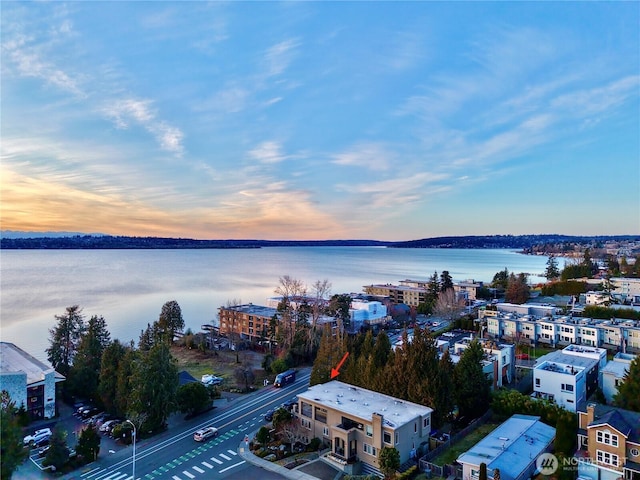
(42, 441)
(209, 379)
(268, 416)
(204, 433)
(107, 426)
(290, 403)
(37, 435)
(42, 452)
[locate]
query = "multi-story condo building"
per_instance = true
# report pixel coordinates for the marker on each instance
(365, 313)
(556, 331)
(608, 443)
(569, 376)
(250, 322)
(357, 423)
(414, 292)
(613, 374)
(626, 289)
(28, 381)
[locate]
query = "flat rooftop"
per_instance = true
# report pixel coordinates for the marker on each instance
(252, 309)
(15, 360)
(361, 403)
(564, 363)
(512, 446)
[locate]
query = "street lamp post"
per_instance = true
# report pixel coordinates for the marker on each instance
(134, 448)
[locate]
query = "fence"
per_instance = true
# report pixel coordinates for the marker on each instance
(447, 470)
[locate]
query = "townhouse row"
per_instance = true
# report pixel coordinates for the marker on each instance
(539, 324)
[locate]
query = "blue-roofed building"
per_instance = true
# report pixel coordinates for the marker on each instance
(512, 448)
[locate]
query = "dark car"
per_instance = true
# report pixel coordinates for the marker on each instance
(269, 415)
(290, 403)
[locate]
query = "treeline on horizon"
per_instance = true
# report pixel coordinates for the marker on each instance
(525, 242)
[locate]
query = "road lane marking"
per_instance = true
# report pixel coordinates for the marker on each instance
(219, 462)
(232, 452)
(208, 465)
(188, 474)
(198, 469)
(175, 477)
(232, 466)
(224, 456)
(95, 471)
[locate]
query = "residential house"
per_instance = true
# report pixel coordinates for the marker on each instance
(28, 381)
(512, 448)
(357, 423)
(608, 443)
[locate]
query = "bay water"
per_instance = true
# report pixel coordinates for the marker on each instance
(129, 287)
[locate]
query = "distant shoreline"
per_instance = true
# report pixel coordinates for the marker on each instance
(526, 243)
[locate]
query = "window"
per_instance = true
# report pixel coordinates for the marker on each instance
(537, 382)
(607, 438)
(607, 458)
(386, 437)
(325, 431)
(306, 409)
(306, 423)
(321, 414)
(369, 449)
(369, 431)
(425, 422)
(567, 387)
(475, 473)
(397, 439)
(634, 452)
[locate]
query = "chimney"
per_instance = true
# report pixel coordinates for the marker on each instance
(591, 413)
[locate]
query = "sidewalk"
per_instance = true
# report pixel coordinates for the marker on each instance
(317, 469)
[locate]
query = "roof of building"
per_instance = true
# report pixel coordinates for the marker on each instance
(511, 447)
(362, 403)
(252, 309)
(625, 421)
(560, 362)
(185, 377)
(15, 360)
(617, 369)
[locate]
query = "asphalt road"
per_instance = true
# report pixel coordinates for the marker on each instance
(175, 455)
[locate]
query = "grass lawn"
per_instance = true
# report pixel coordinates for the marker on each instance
(450, 455)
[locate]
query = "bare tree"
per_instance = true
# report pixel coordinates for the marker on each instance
(320, 292)
(293, 432)
(449, 306)
(234, 336)
(291, 290)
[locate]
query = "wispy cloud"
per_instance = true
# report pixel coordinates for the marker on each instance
(278, 57)
(373, 156)
(139, 111)
(268, 152)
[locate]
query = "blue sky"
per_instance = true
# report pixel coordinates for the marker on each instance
(321, 120)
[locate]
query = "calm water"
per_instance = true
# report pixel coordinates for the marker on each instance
(129, 287)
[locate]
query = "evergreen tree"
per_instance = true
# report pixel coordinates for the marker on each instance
(124, 384)
(64, 339)
(501, 279)
(87, 362)
(12, 451)
(566, 431)
(154, 387)
(108, 378)
(89, 444)
(327, 358)
(192, 398)
(446, 282)
(552, 272)
(170, 321)
(472, 386)
(58, 453)
(482, 475)
(628, 396)
(389, 459)
(444, 400)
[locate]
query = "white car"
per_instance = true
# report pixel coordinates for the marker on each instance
(204, 433)
(209, 379)
(37, 436)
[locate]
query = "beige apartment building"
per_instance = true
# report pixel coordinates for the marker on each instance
(357, 423)
(250, 322)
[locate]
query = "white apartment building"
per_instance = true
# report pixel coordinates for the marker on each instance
(365, 312)
(499, 362)
(613, 373)
(627, 289)
(569, 376)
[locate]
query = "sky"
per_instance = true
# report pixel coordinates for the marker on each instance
(320, 120)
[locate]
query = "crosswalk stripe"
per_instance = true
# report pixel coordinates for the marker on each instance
(208, 465)
(232, 466)
(232, 452)
(189, 474)
(224, 456)
(219, 462)
(198, 469)
(175, 477)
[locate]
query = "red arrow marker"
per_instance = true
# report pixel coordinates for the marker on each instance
(336, 371)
